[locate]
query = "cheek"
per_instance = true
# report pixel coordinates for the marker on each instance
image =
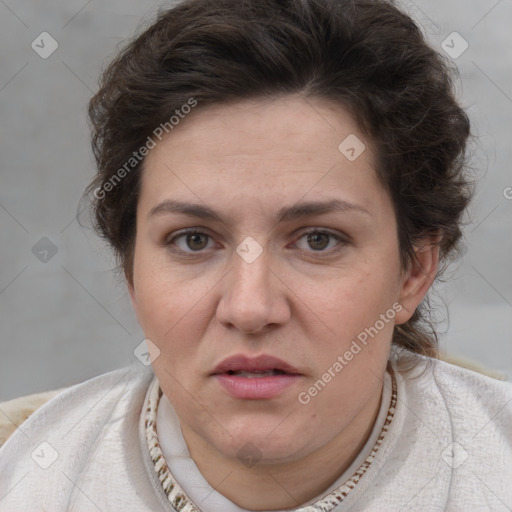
(349, 361)
(161, 299)
(355, 299)
(170, 315)
(169, 309)
(358, 321)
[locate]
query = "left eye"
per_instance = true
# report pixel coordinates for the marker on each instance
(318, 241)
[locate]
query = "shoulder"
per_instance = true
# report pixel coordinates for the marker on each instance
(470, 411)
(451, 434)
(79, 435)
(14, 412)
(75, 413)
(466, 391)
(105, 389)
(81, 445)
(479, 406)
(464, 394)
(455, 382)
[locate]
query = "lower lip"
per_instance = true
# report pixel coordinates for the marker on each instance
(256, 388)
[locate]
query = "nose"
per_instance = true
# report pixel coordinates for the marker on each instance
(254, 296)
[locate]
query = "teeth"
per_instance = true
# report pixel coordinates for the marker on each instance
(255, 374)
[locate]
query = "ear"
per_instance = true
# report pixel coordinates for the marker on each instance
(418, 278)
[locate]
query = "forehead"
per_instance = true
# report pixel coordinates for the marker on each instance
(268, 150)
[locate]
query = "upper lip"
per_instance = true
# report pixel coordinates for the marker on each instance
(263, 362)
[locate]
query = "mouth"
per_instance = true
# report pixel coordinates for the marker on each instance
(261, 365)
(259, 378)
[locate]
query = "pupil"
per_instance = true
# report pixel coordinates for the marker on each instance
(315, 241)
(196, 238)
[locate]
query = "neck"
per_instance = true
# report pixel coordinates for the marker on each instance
(283, 485)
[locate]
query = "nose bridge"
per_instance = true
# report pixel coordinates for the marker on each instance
(250, 283)
(252, 297)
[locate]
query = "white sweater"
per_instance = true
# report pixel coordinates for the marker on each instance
(448, 448)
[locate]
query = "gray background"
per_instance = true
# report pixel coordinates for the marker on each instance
(69, 319)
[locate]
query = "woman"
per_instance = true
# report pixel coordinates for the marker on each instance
(314, 152)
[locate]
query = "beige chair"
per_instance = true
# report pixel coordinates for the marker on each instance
(14, 412)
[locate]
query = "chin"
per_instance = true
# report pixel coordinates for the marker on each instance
(260, 441)
(251, 450)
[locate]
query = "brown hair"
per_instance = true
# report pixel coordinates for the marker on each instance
(365, 54)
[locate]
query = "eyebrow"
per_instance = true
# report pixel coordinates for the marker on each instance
(287, 213)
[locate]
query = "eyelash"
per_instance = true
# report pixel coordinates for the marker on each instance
(343, 241)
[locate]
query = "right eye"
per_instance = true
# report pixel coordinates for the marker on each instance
(190, 241)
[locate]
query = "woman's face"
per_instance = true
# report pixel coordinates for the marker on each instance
(295, 258)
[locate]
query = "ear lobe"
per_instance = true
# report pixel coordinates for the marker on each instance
(419, 277)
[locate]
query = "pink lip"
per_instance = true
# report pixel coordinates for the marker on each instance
(255, 388)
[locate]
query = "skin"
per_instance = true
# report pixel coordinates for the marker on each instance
(303, 302)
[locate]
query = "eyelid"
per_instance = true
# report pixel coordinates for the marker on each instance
(186, 231)
(327, 231)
